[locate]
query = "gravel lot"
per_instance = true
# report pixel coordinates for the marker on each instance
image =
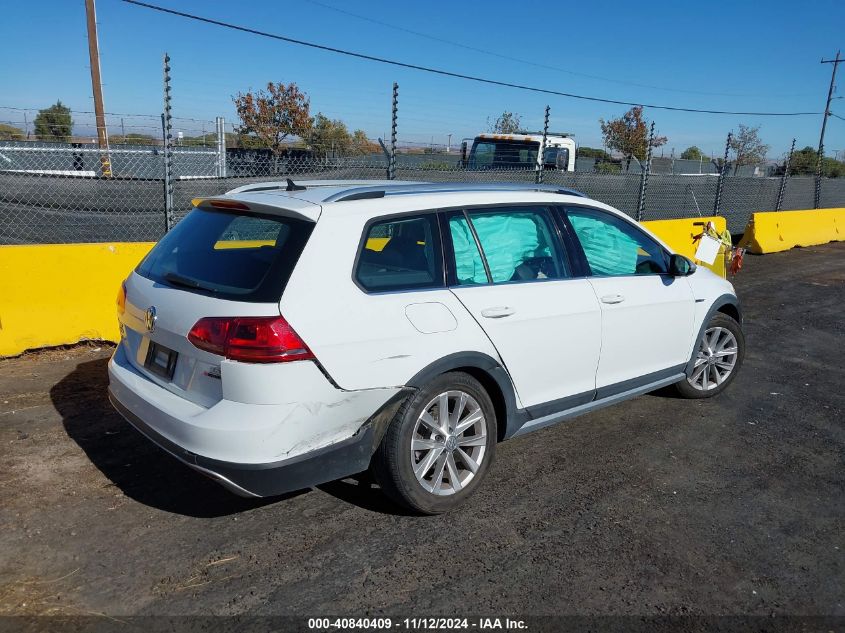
(658, 506)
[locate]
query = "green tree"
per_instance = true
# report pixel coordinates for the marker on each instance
(54, 123)
(270, 116)
(133, 139)
(592, 152)
(330, 136)
(747, 147)
(506, 123)
(361, 144)
(804, 163)
(10, 133)
(629, 135)
(693, 153)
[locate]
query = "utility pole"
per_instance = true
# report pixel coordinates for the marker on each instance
(97, 87)
(835, 63)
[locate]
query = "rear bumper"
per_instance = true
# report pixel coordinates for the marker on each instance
(339, 460)
(260, 450)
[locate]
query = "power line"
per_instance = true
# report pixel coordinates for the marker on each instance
(125, 114)
(528, 62)
(447, 73)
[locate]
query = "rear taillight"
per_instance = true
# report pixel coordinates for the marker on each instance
(250, 339)
(121, 299)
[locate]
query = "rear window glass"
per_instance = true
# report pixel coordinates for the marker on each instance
(236, 256)
(518, 244)
(504, 154)
(401, 254)
(469, 267)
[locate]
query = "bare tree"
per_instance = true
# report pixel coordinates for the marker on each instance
(506, 123)
(747, 147)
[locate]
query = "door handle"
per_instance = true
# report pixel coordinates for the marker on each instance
(612, 299)
(497, 312)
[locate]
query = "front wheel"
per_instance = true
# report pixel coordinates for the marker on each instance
(439, 445)
(717, 359)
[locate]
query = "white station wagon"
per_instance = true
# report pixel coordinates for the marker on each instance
(284, 335)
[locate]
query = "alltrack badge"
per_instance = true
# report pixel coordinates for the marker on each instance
(150, 318)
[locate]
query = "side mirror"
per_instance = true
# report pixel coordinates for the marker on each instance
(680, 266)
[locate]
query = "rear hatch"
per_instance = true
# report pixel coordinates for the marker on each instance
(217, 262)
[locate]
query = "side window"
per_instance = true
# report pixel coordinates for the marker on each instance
(469, 267)
(518, 244)
(615, 247)
(483, 154)
(401, 254)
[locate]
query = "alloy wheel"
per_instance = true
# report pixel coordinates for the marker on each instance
(715, 359)
(449, 442)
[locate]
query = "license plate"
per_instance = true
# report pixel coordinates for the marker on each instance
(161, 360)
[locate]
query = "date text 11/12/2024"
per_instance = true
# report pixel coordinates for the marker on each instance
(414, 624)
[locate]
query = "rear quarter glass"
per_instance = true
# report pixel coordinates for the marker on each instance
(234, 255)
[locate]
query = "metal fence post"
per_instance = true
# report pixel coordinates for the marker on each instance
(391, 168)
(717, 203)
(817, 190)
(541, 159)
(644, 176)
(221, 147)
(784, 177)
(167, 129)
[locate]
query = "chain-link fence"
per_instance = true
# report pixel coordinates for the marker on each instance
(53, 193)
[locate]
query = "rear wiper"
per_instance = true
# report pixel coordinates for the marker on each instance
(186, 282)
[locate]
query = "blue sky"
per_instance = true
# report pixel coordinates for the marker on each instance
(718, 55)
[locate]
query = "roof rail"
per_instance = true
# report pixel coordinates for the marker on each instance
(398, 189)
(276, 185)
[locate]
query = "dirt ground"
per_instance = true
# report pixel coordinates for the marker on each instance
(734, 505)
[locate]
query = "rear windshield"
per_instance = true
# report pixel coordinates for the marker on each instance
(231, 255)
(488, 154)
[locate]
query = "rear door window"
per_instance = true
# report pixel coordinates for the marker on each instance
(401, 254)
(231, 255)
(469, 266)
(517, 243)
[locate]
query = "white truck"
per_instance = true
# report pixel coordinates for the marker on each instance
(520, 150)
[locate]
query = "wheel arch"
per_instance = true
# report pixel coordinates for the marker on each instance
(486, 370)
(726, 304)
(731, 309)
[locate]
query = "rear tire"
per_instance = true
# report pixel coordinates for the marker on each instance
(431, 463)
(718, 356)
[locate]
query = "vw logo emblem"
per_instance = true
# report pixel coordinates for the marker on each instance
(150, 318)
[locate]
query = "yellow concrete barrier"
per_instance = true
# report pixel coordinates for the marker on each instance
(679, 234)
(775, 231)
(61, 293)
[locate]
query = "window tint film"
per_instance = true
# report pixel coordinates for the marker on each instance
(519, 244)
(235, 256)
(615, 247)
(469, 267)
(401, 254)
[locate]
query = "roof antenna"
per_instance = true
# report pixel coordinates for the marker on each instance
(292, 186)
